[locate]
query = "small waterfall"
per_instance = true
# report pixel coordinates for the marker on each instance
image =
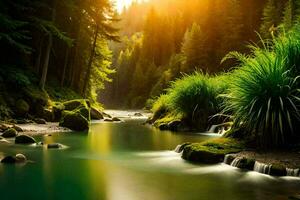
(178, 149)
(262, 168)
(227, 159)
(293, 172)
(236, 162)
(213, 128)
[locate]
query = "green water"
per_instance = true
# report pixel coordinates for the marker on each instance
(129, 161)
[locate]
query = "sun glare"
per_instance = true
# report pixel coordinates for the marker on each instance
(121, 4)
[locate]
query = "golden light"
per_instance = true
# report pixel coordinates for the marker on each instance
(121, 4)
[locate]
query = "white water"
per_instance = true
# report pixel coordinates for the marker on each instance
(262, 168)
(177, 149)
(293, 172)
(213, 128)
(226, 160)
(236, 162)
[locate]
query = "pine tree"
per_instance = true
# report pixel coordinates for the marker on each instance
(192, 49)
(291, 13)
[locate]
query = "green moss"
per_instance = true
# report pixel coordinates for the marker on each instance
(9, 133)
(246, 163)
(74, 121)
(22, 107)
(212, 151)
(74, 104)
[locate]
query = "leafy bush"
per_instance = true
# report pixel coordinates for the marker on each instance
(195, 97)
(264, 93)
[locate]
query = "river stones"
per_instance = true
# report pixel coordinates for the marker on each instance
(40, 121)
(96, 114)
(24, 139)
(74, 120)
(108, 120)
(20, 158)
(278, 170)
(138, 114)
(115, 119)
(9, 160)
(163, 127)
(54, 146)
(9, 133)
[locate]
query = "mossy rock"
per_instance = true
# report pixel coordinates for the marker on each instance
(22, 107)
(278, 170)
(163, 127)
(9, 160)
(24, 139)
(74, 121)
(74, 104)
(18, 128)
(84, 111)
(212, 151)
(96, 114)
(9, 133)
(174, 125)
(115, 119)
(246, 163)
(48, 115)
(57, 109)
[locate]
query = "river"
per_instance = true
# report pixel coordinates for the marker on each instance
(129, 161)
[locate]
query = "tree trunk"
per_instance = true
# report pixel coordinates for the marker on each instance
(65, 68)
(48, 52)
(39, 56)
(89, 66)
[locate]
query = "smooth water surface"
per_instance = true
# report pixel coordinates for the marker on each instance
(129, 161)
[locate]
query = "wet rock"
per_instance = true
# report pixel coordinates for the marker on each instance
(246, 163)
(181, 147)
(74, 121)
(54, 146)
(24, 139)
(115, 119)
(48, 115)
(9, 160)
(18, 128)
(278, 170)
(108, 120)
(174, 125)
(72, 105)
(163, 127)
(21, 107)
(96, 114)
(21, 121)
(228, 159)
(57, 109)
(9, 133)
(20, 158)
(40, 121)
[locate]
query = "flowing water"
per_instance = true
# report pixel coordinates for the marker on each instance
(129, 161)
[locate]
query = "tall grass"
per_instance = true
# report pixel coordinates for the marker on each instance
(195, 97)
(264, 93)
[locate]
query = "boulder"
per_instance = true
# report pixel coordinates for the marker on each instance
(48, 115)
(84, 111)
(21, 107)
(278, 170)
(73, 104)
(9, 160)
(96, 114)
(9, 133)
(163, 127)
(18, 128)
(20, 158)
(201, 155)
(24, 139)
(58, 108)
(174, 125)
(54, 146)
(246, 163)
(40, 121)
(74, 121)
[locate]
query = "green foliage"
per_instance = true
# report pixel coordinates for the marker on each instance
(195, 97)
(264, 93)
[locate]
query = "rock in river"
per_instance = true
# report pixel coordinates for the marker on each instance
(9, 133)
(20, 158)
(9, 160)
(54, 146)
(96, 114)
(24, 139)
(40, 121)
(74, 121)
